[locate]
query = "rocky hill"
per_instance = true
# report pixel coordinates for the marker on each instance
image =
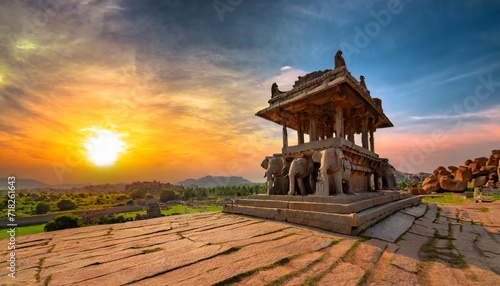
(24, 184)
(215, 181)
(482, 171)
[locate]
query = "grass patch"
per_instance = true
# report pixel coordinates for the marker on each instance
(314, 280)
(363, 279)
(51, 248)
(447, 198)
(176, 209)
(428, 249)
(47, 280)
(231, 250)
(23, 230)
(241, 276)
(109, 231)
(485, 210)
(294, 273)
(146, 251)
(40, 264)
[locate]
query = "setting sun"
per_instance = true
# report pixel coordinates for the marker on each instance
(103, 146)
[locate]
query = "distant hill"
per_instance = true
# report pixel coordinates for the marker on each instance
(28, 184)
(215, 181)
(23, 184)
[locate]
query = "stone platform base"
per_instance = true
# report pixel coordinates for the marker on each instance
(343, 214)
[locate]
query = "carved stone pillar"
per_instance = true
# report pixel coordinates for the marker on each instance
(350, 131)
(313, 134)
(372, 141)
(300, 129)
(339, 123)
(364, 132)
(285, 134)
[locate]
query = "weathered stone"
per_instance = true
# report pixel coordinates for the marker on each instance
(478, 182)
(467, 162)
(452, 168)
(481, 160)
(479, 173)
(474, 166)
(489, 169)
(391, 228)
(452, 185)
(414, 182)
(154, 210)
(431, 184)
(492, 161)
(444, 172)
(490, 183)
(463, 174)
(417, 211)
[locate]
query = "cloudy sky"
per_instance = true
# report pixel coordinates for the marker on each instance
(179, 82)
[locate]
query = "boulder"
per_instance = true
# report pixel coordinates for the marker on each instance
(414, 191)
(414, 182)
(481, 160)
(478, 182)
(490, 183)
(489, 169)
(452, 168)
(495, 152)
(479, 173)
(475, 166)
(444, 172)
(452, 185)
(431, 184)
(467, 162)
(492, 161)
(463, 174)
(492, 176)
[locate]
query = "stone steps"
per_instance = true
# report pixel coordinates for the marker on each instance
(335, 214)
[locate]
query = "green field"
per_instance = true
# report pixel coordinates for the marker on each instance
(23, 230)
(447, 198)
(176, 209)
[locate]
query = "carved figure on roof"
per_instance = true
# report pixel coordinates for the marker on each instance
(362, 81)
(339, 60)
(275, 90)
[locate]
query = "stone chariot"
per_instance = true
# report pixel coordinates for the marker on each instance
(331, 181)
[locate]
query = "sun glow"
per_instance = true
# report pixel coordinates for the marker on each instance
(103, 146)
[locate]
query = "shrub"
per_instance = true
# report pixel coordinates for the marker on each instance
(113, 219)
(64, 222)
(138, 193)
(66, 205)
(168, 195)
(42, 208)
(130, 202)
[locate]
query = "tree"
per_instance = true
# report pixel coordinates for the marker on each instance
(168, 195)
(66, 205)
(42, 208)
(64, 222)
(138, 193)
(403, 185)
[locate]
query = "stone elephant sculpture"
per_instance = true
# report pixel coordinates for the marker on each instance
(335, 170)
(276, 171)
(384, 176)
(302, 171)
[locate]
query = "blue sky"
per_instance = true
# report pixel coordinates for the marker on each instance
(183, 79)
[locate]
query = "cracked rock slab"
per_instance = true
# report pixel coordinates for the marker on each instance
(391, 228)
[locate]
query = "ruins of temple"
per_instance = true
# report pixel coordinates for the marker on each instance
(342, 184)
